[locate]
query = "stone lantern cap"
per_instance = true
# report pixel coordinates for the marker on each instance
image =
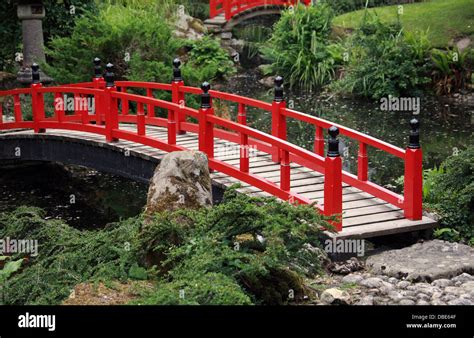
(30, 10)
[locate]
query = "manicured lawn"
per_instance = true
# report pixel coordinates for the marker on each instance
(445, 19)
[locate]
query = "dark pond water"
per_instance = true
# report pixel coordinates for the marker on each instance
(83, 198)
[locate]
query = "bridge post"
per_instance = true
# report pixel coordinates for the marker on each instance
(178, 97)
(110, 104)
(37, 99)
(244, 141)
(278, 119)
(413, 190)
(333, 180)
(99, 83)
(206, 128)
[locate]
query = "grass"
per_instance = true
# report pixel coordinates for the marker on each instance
(444, 20)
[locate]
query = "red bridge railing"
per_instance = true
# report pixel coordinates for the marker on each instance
(112, 110)
(231, 8)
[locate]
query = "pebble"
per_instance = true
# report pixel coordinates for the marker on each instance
(406, 301)
(352, 278)
(403, 284)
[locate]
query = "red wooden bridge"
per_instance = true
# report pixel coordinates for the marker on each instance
(277, 168)
(230, 8)
(225, 14)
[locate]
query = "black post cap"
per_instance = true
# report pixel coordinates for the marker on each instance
(205, 96)
(278, 89)
(97, 68)
(414, 140)
(109, 75)
(333, 143)
(35, 74)
(176, 70)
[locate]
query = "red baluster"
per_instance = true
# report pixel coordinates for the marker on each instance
(362, 162)
(99, 83)
(319, 141)
(177, 97)
(285, 171)
(278, 119)
(333, 180)
(141, 127)
(110, 105)
(206, 128)
(37, 100)
(244, 141)
(150, 108)
(59, 106)
(413, 192)
(17, 107)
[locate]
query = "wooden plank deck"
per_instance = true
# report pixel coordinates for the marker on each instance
(363, 214)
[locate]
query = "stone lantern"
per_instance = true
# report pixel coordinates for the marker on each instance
(31, 13)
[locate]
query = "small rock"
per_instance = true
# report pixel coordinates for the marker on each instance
(464, 277)
(403, 284)
(335, 296)
(352, 278)
(367, 300)
(423, 296)
(395, 296)
(422, 302)
(393, 280)
(372, 282)
(468, 287)
(460, 301)
(386, 288)
(437, 302)
(442, 283)
(453, 290)
(406, 301)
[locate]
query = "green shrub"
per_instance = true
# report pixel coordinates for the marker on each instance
(113, 34)
(66, 256)
(452, 69)
(298, 49)
(226, 240)
(242, 251)
(451, 195)
(384, 61)
(207, 61)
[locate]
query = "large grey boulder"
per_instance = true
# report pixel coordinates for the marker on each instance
(182, 180)
(427, 261)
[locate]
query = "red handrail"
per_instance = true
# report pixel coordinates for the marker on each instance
(230, 8)
(107, 115)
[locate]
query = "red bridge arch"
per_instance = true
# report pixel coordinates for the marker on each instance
(230, 8)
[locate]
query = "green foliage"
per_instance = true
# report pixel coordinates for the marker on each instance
(260, 248)
(210, 289)
(66, 256)
(9, 268)
(112, 34)
(344, 6)
(451, 195)
(384, 61)
(207, 61)
(115, 33)
(242, 251)
(452, 69)
(298, 49)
